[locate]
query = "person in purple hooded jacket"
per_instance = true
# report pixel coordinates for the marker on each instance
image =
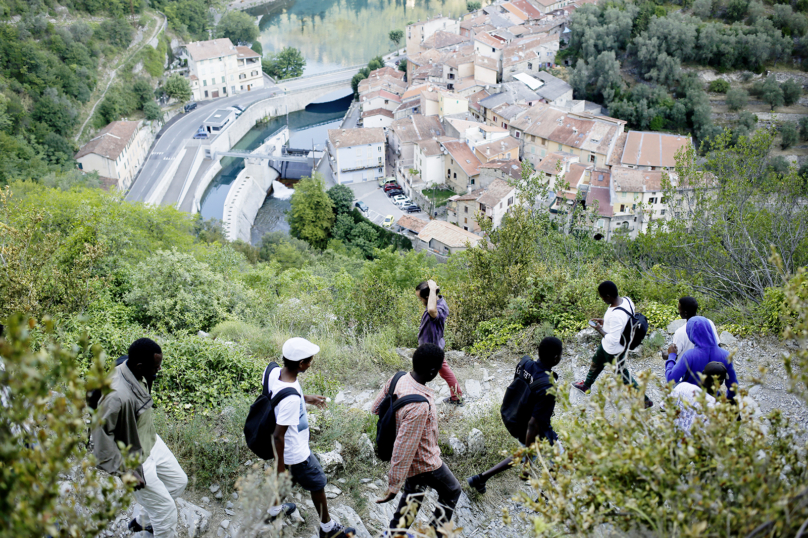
(691, 364)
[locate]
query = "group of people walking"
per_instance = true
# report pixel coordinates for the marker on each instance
(694, 361)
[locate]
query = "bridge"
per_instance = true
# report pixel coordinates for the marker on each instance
(247, 154)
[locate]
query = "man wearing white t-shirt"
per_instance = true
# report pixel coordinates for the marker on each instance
(612, 345)
(291, 436)
(688, 307)
(686, 395)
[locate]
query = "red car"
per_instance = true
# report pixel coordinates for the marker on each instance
(391, 186)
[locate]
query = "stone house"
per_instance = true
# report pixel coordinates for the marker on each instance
(357, 154)
(444, 239)
(116, 153)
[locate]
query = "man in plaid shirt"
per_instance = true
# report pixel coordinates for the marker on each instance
(416, 459)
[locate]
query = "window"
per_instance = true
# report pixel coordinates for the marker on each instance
(466, 209)
(543, 142)
(380, 170)
(500, 205)
(472, 181)
(379, 149)
(510, 201)
(482, 208)
(592, 158)
(233, 89)
(493, 49)
(454, 175)
(223, 80)
(386, 101)
(466, 228)
(232, 77)
(652, 200)
(465, 220)
(559, 147)
(380, 160)
(622, 208)
(529, 65)
(204, 83)
(495, 119)
(518, 134)
(662, 212)
(206, 93)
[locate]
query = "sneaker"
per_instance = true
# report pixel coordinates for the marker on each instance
(477, 483)
(459, 402)
(134, 526)
(339, 531)
(287, 509)
(582, 386)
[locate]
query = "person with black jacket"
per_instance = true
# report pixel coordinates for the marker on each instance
(539, 426)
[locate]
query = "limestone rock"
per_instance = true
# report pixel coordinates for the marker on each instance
(202, 334)
(674, 325)
(366, 450)
(332, 491)
(192, 518)
(727, 339)
(225, 523)
(455, 356)
(476, 442)
(349, 518)
(587, 335)
(214, 488)
(405, 353)
(331, 461)
(457, 445)
(339, 398)
(473, 388)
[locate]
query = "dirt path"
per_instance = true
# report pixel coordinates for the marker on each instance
(133, 49)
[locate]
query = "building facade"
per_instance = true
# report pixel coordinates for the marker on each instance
(116, 153)
(217, 68)
(357, 155)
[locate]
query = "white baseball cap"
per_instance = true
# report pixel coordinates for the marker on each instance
(296, 349)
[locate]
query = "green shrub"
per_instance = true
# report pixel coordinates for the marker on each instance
(659, 315)
(491, 335)
(719, 85)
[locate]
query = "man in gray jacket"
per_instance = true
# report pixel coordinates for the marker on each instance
(127, 414)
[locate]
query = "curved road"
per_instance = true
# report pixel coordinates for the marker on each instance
(173, 138)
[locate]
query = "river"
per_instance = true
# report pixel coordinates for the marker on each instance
(340, 33)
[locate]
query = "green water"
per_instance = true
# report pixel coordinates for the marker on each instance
(339, 33)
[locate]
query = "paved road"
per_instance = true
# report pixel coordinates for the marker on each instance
(379, 205)
(172, 139)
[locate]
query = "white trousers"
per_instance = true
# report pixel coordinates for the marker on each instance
(165, 481)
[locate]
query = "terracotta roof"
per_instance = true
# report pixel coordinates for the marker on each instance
(546, 3)
(528, 8)
(521, 15)
(579, 131)
(491, 41)
(111, 141)
(430, 95)
(576, 174)
(417, 127)
(599, 191)
(383, 94)
(448, 234)
(414, 91)
(617, 153)
(464, 157)
(509, 167)
(387, 71)
(485, 62)
(247, 52)
(411, 223)
(549, 165)
(496, 192)
(431, 146)
(442, 39)
(346, 138)
(497, 147)
(475, 98)
(214, 48)
(468, 197)
(653, 149)
(631, 180)
(377, 112)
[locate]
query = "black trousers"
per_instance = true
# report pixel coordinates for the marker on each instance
(443, 482)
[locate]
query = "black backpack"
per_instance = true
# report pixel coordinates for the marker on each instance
(386, 427)
(260, 424)
(637, 323)
(519, 399)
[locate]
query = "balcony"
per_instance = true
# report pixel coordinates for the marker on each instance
(362, 167)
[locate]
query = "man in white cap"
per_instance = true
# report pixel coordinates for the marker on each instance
(291, 436)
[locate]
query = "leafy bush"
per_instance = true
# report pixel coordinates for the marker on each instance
(43, 438)
(491, 335)
(639, 472)
(719, 85)
(659, 315)
(173, 291)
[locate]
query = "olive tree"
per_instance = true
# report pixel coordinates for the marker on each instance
(737, 98)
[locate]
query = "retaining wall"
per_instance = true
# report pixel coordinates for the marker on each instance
(245, 198)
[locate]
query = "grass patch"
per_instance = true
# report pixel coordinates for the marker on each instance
(439, 196)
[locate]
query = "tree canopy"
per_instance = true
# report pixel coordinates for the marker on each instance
(237, 26)
(288, 63)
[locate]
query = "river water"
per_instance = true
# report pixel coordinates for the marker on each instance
(340, 33)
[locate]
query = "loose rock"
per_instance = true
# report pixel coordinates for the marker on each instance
(193, 518)
(473, 388)
(457, 445)
(476, 442)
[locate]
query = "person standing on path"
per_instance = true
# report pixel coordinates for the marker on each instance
(539, 426)
(688, 308)
(291, 435)
(128, 419)
(433, 323)
(416, 460)
(612, 346)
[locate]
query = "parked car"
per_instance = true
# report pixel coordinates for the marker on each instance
(412, 208)
(391, 186)
(385, 180)
(240, 107)
(404, 203)
(201, 132)
(394, 192)
(236, 110)
(398, 198)
(362, 206)
(191, 106)
(388, 221)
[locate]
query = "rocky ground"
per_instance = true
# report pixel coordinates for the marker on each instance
(758, 362)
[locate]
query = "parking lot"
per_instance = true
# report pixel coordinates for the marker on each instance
(379, 205)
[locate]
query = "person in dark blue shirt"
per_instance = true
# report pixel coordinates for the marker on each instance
(539, 426)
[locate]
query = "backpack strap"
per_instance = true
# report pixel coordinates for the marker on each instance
(392, 388)
(521, 365)
(265, 383)
(408, 399)
(285, 393)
